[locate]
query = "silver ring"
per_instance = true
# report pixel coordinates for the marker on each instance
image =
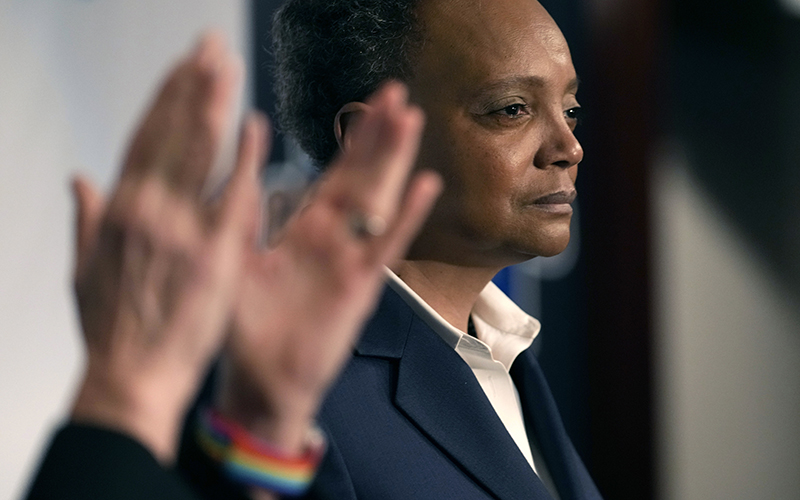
(364, 226)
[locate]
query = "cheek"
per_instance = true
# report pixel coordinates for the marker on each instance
(484, 174)
(495, 170)
(494, 177)
(490, 178)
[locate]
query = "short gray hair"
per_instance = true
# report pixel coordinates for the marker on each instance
(331, 52)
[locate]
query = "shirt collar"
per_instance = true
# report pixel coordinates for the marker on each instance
(504, 330)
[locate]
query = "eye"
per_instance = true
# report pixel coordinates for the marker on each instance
(574, 115)
(513, 110)
(510, 112)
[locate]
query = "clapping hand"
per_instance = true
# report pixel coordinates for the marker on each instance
(157, 267)
(303, 302)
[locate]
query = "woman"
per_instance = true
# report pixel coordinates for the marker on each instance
(442, 398)
(159, 273)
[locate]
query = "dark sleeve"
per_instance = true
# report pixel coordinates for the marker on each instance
(332, 482)
(202, 472)
(86, 462)
(198, 469)
(206, 477)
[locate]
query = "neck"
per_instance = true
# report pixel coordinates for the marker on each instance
(450, 290)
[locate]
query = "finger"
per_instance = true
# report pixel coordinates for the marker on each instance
(372, 174)
(205, 117)
(89, 204)
(181, 133)
(417, 204)
(397, 142)
(156, 126)
(240, 205)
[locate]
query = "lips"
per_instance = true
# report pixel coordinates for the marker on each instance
(559, 198)
(558, 202)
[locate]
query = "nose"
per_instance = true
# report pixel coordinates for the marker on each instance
(559, 147)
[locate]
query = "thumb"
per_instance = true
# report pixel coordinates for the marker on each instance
(89, 205)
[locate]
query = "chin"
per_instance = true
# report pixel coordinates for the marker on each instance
(550, 250)
(548, 245)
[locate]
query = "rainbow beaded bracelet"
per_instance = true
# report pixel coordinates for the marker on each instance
(250, 461)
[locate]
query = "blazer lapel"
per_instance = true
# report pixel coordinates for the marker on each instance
(438, 392)
(542, 419)
(441, 396)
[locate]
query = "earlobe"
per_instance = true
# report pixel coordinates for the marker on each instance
(344, 119)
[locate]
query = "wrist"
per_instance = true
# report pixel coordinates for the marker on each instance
(256, 463)
(146, 411)
(282, 419)
(285, 428)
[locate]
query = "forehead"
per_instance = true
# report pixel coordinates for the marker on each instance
(491, 39)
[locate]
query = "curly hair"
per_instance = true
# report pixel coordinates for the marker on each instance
(331, 52)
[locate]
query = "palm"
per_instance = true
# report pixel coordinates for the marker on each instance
(311, 292)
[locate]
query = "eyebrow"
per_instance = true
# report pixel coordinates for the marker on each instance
(522, 81)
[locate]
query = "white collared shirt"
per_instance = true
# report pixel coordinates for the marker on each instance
(504, 331)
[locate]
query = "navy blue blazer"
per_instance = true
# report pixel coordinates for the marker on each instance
(407, 419)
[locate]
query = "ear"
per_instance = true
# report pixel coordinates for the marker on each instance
(346, 116)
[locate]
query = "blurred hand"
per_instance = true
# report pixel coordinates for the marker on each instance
(157, 269)
(303, 302)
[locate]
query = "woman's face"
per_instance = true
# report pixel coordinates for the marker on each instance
(496, 81)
